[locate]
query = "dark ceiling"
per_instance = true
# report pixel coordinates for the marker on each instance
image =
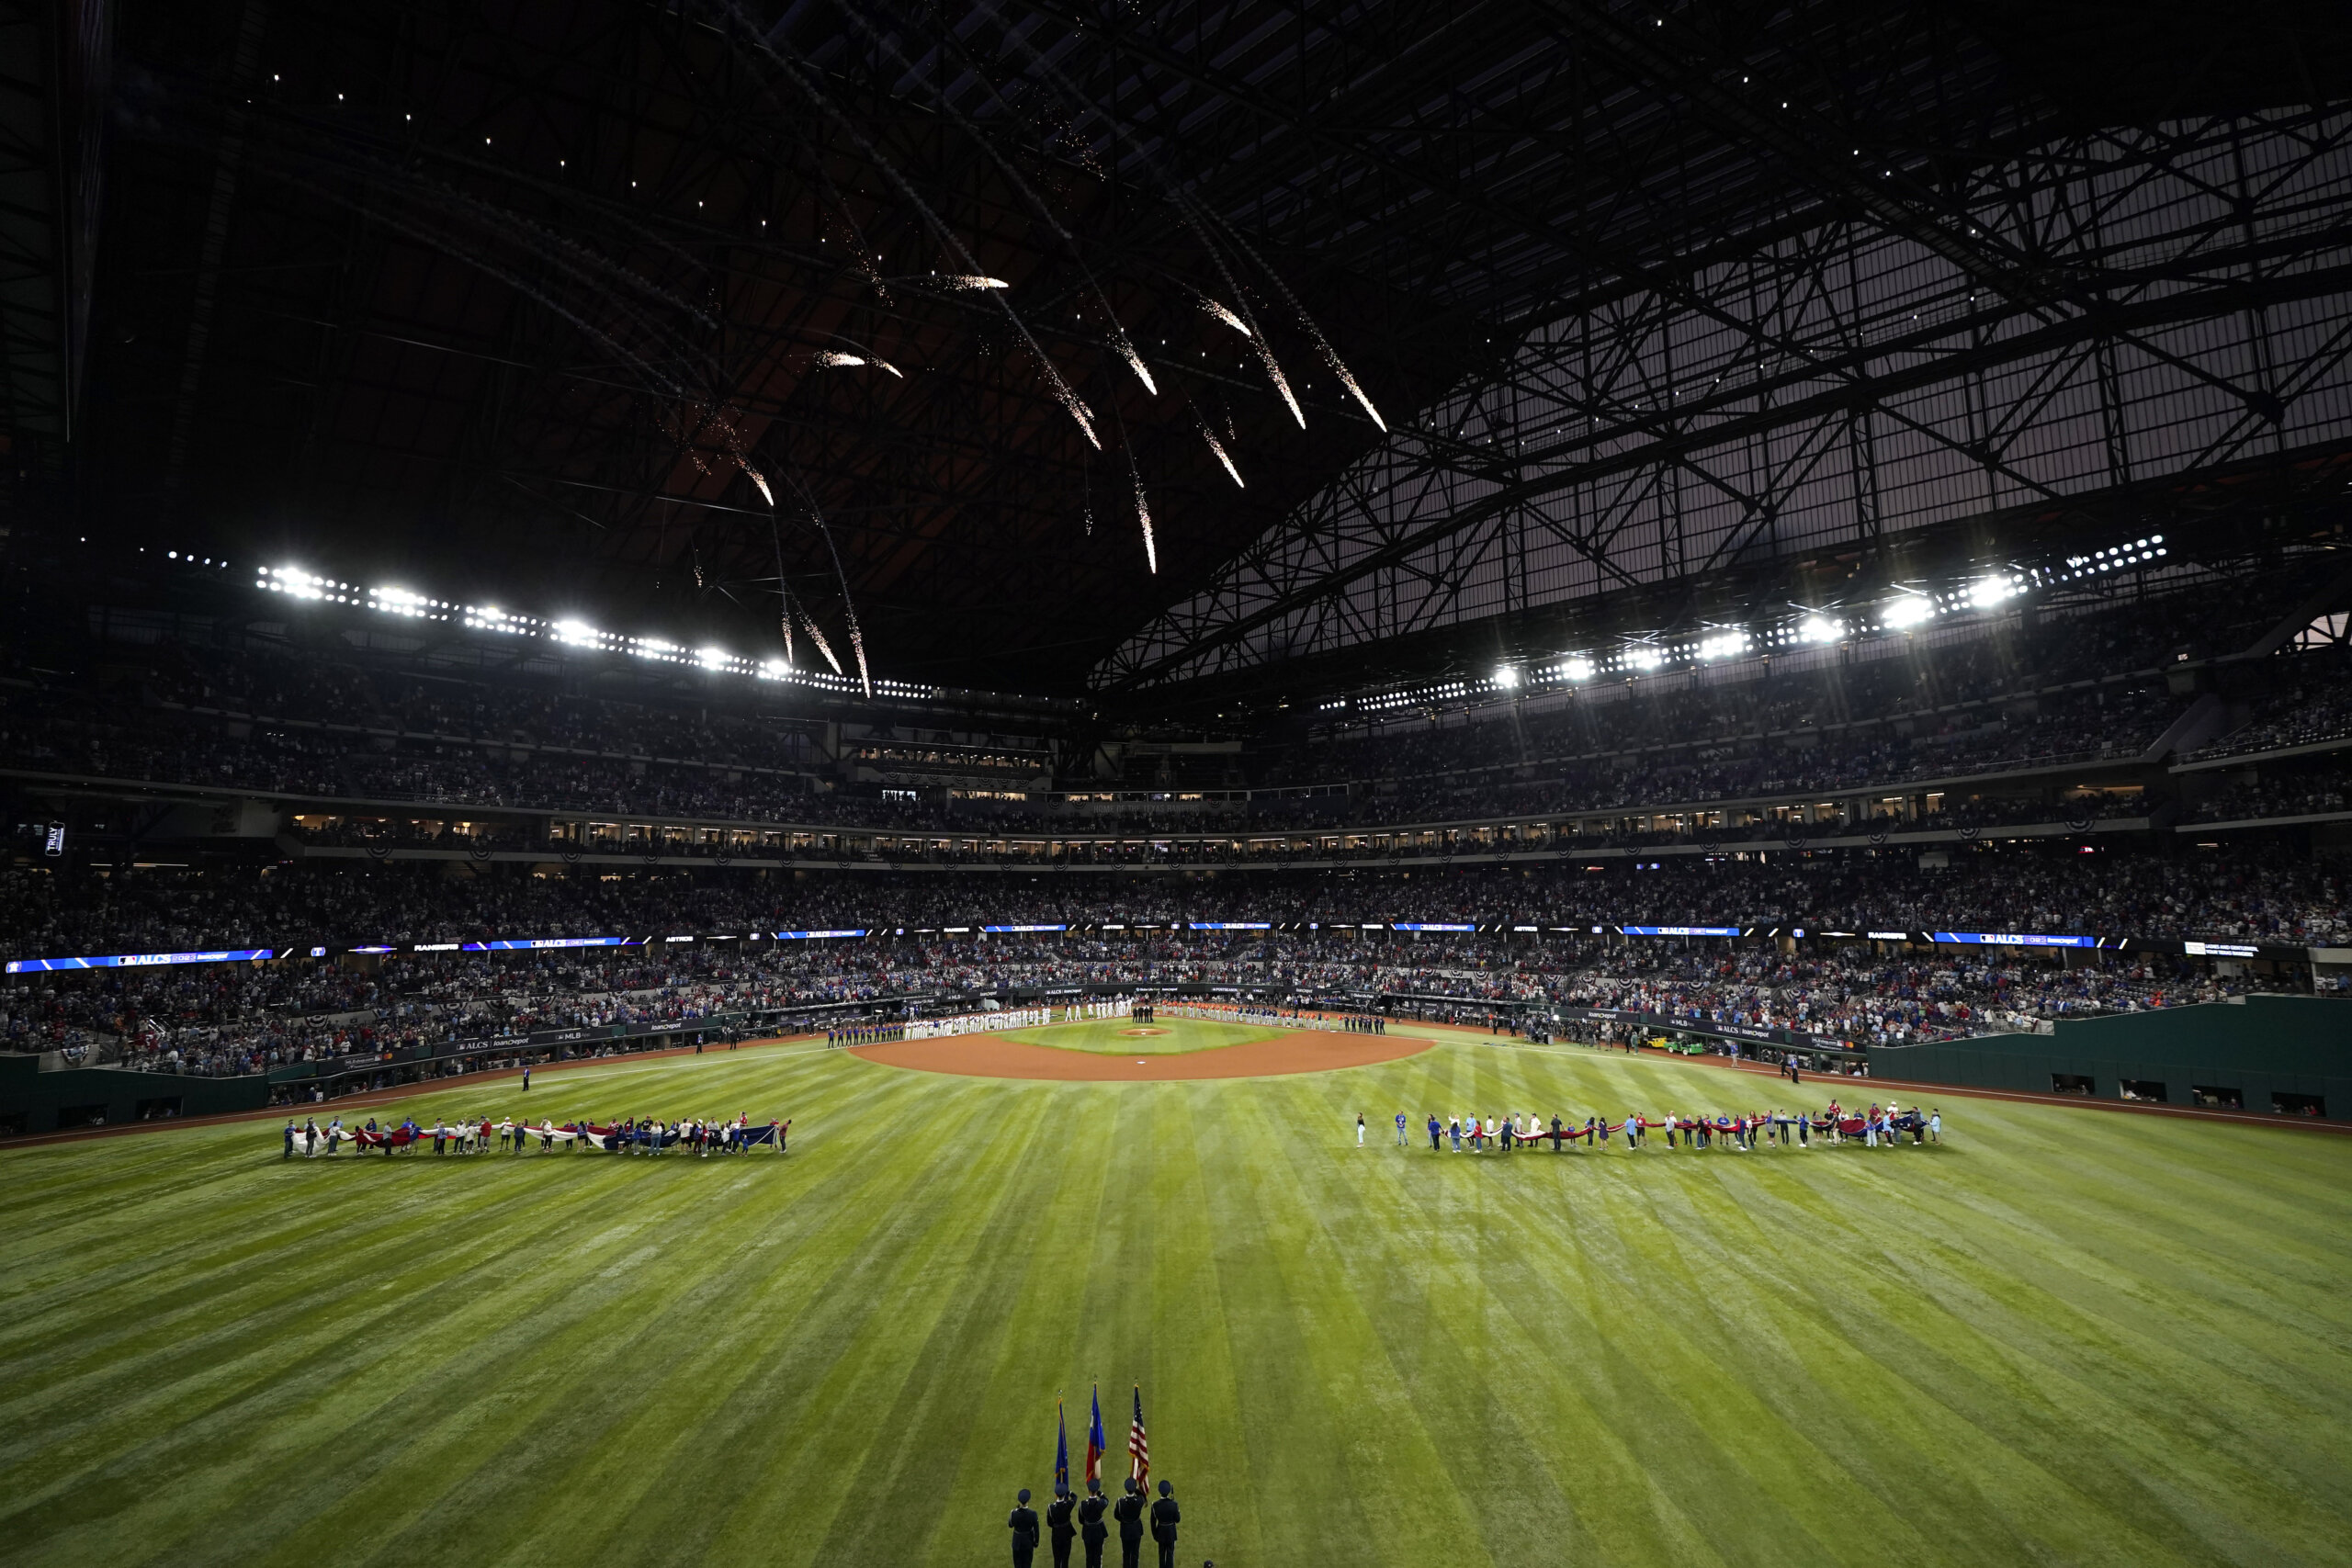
(510, 302)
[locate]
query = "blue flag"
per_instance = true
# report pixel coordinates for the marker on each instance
(1061, 1450)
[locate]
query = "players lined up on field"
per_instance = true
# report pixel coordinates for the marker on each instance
(643, 1136)
(1878, 1127)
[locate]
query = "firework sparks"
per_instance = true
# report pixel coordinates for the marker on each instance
(830, 360)
(1143, 515)
(1218, 447)
(1227, 317)
(1274, 373)
(1134, 361)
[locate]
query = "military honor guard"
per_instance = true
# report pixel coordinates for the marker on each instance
(1023, 1525)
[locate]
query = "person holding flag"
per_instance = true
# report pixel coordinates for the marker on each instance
(1058, 1529)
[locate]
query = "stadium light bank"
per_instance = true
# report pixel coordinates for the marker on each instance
(570, 632)
(1904, 611)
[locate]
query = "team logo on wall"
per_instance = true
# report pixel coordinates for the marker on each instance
(378, 850)
(1971, 830)
(1879, 837)
(477, 849)
(570, 857)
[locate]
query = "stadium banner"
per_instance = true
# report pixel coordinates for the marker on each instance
(140, 960)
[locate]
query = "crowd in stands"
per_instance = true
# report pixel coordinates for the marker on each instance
(2311, 706)
(240, 1018)
(2280, 792)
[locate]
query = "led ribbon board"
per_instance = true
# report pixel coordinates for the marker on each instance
(547, 944)
(1229, 925)
(139, 959)
(1678, 931)
(805, 936)
(2012, 939)
(1015, 930)
(1431, 926)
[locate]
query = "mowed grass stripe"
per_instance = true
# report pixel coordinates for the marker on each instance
(2066, 1336)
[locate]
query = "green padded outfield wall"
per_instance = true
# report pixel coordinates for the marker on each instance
(35, 1101)
(2262, 1047)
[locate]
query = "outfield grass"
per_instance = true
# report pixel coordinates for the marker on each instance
(2065, 1336)
(1105, 1037)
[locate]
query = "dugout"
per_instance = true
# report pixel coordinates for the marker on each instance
(2284, 1055)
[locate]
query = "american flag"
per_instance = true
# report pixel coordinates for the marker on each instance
(1138, 1445)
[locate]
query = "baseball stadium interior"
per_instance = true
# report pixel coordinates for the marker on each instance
(1809, 542)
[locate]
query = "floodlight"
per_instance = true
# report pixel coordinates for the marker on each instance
(1909, 610)
(1506, 676)
(1989, 592)
(713, 658)
(1723, 645)
(1646, 657)
(1820, 629)
(579, 634)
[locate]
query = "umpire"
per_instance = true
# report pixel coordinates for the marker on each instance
(1058, 1525)
(1089, 1523)
(1164, 1516)
(1023, 1525)
(1128, 1511)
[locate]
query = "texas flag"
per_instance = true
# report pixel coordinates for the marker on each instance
(1095, 1444)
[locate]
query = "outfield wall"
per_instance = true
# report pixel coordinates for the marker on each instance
(35, 1101)
(2268, 1051)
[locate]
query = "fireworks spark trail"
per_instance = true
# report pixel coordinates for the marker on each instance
(1227, 317)
(774, 54)
(853, 11)
(1216, 447)
(1330, 355)
(1244, 321)
(1185, 209)
(1143, 515)
(830, 360)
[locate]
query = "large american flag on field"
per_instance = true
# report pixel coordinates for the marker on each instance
(1138, 1445)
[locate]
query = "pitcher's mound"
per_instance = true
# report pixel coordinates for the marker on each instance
(994, 1056)
(1143, 1031)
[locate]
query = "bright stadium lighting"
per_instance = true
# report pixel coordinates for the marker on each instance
(776, 669)
(579, 634)
(1909, 610)
(1645, 658)
(1820, 629)
(1723, 645)
(1578, 668)
(1987, 592)
(1506, 676)
(397, 600)
(713, 658)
